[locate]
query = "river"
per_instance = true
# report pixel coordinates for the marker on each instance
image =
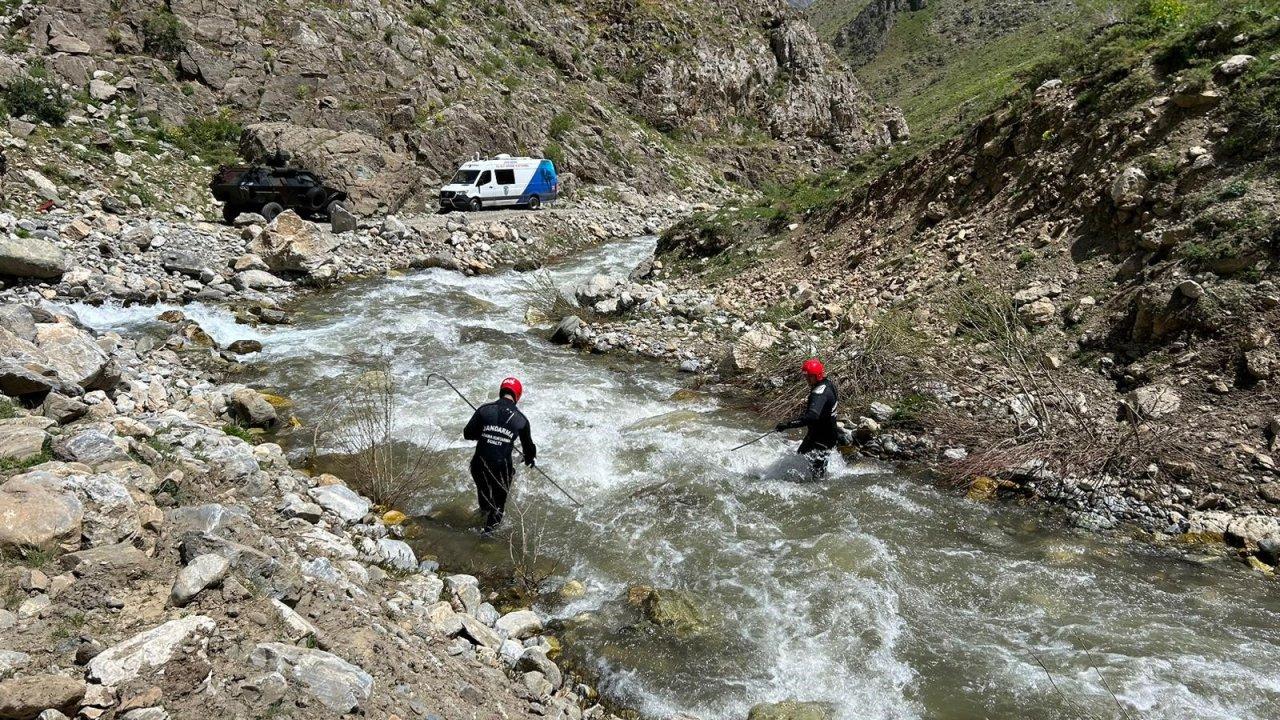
(872, 591)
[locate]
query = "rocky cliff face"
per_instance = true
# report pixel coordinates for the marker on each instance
(616, 90)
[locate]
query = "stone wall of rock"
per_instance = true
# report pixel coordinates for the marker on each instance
(438, 83)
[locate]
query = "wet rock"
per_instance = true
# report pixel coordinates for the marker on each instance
(148, 649)
(26, 697)
(204, 571)
(791, 710)
(31, 258)
(245, 347)
(341, 501)
(535, 659)
(671, 609)
(566, 330)
(337, 684)
(520, 624)
(252, 409)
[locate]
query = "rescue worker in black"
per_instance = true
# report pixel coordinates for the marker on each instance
(820, 418)
(494, 427)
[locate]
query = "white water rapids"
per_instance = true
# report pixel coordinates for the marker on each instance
(877, 593)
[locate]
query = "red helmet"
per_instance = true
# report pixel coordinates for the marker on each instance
(813, 369)
(512, 386)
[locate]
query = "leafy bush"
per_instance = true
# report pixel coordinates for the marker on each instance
(555, 153)
(561, 124)
(420, 17)
(213, 138)
(36, 97)
(162, 35)
(1163, 13)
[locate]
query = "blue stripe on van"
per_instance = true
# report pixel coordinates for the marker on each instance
(542, 184)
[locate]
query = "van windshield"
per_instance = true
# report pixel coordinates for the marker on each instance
(465, 177)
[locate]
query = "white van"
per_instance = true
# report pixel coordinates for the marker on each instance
(504, 181)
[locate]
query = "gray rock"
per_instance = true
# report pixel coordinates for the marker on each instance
(91, 447)
(149, 649)
(296, 627)
(341, 220)
(19, 443)
(566, 330)
(202, 572)
(62, 409)
(17, 319)
(397, 554)
(339, 685)
(31, 257)
(184, 263)
(534, 659)
(341, 501)
(36, 517)
(74, 355)
(12, 661)
(520, 624)
(1150, 403)
(479, 633)
(258, 280)
(881, 412)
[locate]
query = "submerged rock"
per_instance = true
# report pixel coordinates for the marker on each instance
(791, 710)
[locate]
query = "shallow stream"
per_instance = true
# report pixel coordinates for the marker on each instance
(877, 593)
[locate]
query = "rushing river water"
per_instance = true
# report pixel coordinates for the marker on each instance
(876, 593)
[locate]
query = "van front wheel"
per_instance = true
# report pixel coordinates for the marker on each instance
(535, 202)
(474, 205)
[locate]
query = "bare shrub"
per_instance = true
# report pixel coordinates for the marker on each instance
(544, 298)
(373, 453)
(531, 568)
(1048, 425)
(873, 366)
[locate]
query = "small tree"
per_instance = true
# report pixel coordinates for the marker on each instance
(162, 35)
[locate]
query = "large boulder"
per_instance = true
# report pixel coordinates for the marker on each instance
(376, 178)
(292, 244)
(35, 517)
(336, 683)
(73, 354)
(1129, 188)
(341, 501)
(251, 408)
(149, 649)
(26, 698)
(31, 257)
(748, 352)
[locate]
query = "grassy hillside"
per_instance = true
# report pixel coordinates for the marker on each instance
(828, 16)
(1104, 248)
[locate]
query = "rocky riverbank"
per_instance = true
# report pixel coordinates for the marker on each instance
(155, 564)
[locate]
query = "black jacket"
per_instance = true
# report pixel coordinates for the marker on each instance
(495, 427)
(820, 418)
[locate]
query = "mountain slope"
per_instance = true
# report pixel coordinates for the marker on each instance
(945, 62)
(1077, 296)
(632, 91)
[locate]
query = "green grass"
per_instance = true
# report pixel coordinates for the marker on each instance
(35, 96)
(214, 138)
(7, 408)
(11, 464)
(561, 124)
(237, 431)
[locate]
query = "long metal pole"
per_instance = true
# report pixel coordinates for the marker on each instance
(542, 472)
